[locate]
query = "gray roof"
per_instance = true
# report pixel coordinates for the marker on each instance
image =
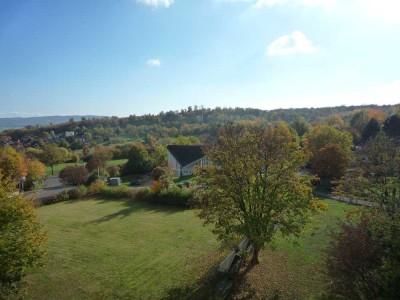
(186, 154)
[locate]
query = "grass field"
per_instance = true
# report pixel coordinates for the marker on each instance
(107, 249)
(295, 271)
(57, 168)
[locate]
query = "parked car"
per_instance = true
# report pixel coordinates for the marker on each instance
(136, 182)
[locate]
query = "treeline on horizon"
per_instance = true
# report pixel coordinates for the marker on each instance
(192, 121)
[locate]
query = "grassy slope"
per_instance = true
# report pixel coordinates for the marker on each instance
(58, 167)
(121, 249)
(295, 271)
(118, 249)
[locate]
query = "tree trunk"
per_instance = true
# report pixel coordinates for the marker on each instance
(254, 259)
(52, 171)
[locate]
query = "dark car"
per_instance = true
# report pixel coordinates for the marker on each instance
(136, 182)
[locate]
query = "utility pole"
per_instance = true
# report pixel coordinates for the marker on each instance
(202, 115)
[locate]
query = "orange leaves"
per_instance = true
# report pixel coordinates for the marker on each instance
(35, 169)
(12, 163)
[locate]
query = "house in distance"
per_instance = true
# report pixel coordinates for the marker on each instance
(183, 159)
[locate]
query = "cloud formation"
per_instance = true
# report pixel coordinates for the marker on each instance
(157, 3)
(296, 42)
(154, 62)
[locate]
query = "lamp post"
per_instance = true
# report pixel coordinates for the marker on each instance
(21, 184)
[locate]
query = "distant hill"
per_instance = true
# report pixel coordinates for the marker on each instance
(15, 123)
(192, 121)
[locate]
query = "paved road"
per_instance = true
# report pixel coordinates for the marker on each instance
(52, 186)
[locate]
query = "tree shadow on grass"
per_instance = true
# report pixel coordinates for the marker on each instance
(208, 278)
(242, 289)
(132, 206)
(204, 288)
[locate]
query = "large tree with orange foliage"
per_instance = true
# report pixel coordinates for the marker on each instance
(12, 164)
(330, 150)
(35, 171)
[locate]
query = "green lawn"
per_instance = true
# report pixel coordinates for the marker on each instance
(116, 162)
(57, 168)
(108, 249)
(296, 271)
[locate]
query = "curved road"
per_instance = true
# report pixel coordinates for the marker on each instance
(52, 186)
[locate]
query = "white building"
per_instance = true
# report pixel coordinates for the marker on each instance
(69, 133)
(183, 159)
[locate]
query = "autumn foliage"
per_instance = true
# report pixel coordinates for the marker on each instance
(12, 163)
(21, 241)
(74, 175)
(254, 186)
(353, 259)
(330, 150)
(35, 171)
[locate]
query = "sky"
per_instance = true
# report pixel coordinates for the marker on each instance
(134, 57)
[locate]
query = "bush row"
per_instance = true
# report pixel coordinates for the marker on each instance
(172, 196)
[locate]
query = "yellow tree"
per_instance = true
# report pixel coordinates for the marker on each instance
(21, 239)
(12, 163)
(330, 150)
(253, 187)
(35, 171)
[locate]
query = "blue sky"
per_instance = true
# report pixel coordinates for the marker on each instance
(122, 57)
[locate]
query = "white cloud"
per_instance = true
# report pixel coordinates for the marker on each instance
(296, 42)
(157, 3)
(154, 62)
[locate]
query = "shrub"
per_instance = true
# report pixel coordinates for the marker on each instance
(156, 186)
(62, 196)
(94, 163)
(174, 195)
(144, 194)
(78, 192)
(353, 261)
(47, 201)
(114, 171)
(119, 192)
(100, 174)
(97, 187)
(74, 175)
(157, 172)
